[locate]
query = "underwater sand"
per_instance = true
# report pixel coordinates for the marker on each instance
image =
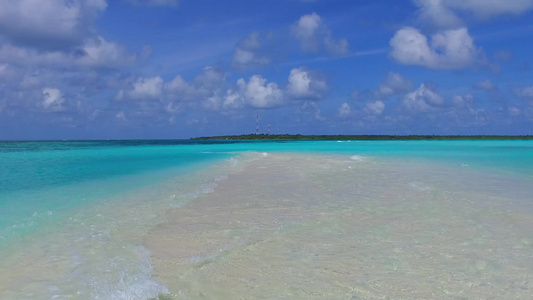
(294, 226)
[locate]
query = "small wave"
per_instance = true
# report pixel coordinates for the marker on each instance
(419, 186)
(133, 282)
(358, 158)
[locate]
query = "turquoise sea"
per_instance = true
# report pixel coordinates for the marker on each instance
(74, 215)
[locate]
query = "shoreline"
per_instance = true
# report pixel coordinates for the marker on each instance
(316, 226)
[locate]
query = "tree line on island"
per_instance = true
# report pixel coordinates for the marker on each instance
(299, 137)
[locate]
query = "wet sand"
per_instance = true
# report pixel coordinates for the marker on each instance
(291, 226)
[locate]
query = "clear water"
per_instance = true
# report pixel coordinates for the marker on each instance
(74, 215)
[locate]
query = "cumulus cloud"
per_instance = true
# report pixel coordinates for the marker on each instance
(179, 88)
(210, 78)
(393, 85)
(448, 13)
(485, 85)
(345, 110)
(436, 13)
(147, 88)
(466, 101)
(492, 89)
(376, 107)
(313, 35)
(94, 52)
(121, 117)
(207, 85)
(514, 111)
(450, 49)
(210, 90)
(305, 84)
(48, 25)
(52, 99)
(525, 93)
(154, 94)
(305, 30)
(247, 52)
(98, 52)
(423, 100)
(466, 112)
(155, 2)
(257, 93)
(310, 107)
(56, 33)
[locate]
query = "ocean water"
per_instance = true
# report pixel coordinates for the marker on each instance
(271, 220)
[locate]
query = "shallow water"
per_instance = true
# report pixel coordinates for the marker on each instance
(288, 220)
(324, 227)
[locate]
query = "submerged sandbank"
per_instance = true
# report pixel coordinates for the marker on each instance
(294, 226)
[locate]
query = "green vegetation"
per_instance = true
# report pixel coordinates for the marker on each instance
(299, 137)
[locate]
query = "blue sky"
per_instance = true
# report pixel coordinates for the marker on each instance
(97, 69)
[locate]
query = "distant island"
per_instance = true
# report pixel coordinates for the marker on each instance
(299, 137)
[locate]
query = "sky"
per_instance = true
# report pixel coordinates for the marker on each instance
(173, 69)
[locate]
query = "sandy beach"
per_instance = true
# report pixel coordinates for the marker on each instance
(300, 226)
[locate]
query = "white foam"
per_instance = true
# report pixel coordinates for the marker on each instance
(125, 284)
(419, 186)
(358, 158)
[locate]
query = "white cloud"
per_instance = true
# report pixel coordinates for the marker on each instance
(256, 93)
(121, 117)
(313, 34)
(260, 94)
(94, 53)
(310, 107)
(437, 14)
(179, 88)
(524, 93)
(98, 52)
(305, 30)
(210, 78)
(56, 33)
(146, 88)
(345, 110)
(514, 111)
(448, 13)
(338, 47)
(486, 85)
(304, 84)
(211, 91)
(451, 49)
(394, 84)
(444, 12)
(246, 52)
(464, 102)
(5, 71)
(423, 100)
(52, 99)
(212, 102)
(376, 107)
(48, 24)
(204, 89)
(155, 2)
(465, 110)
(173, 108)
